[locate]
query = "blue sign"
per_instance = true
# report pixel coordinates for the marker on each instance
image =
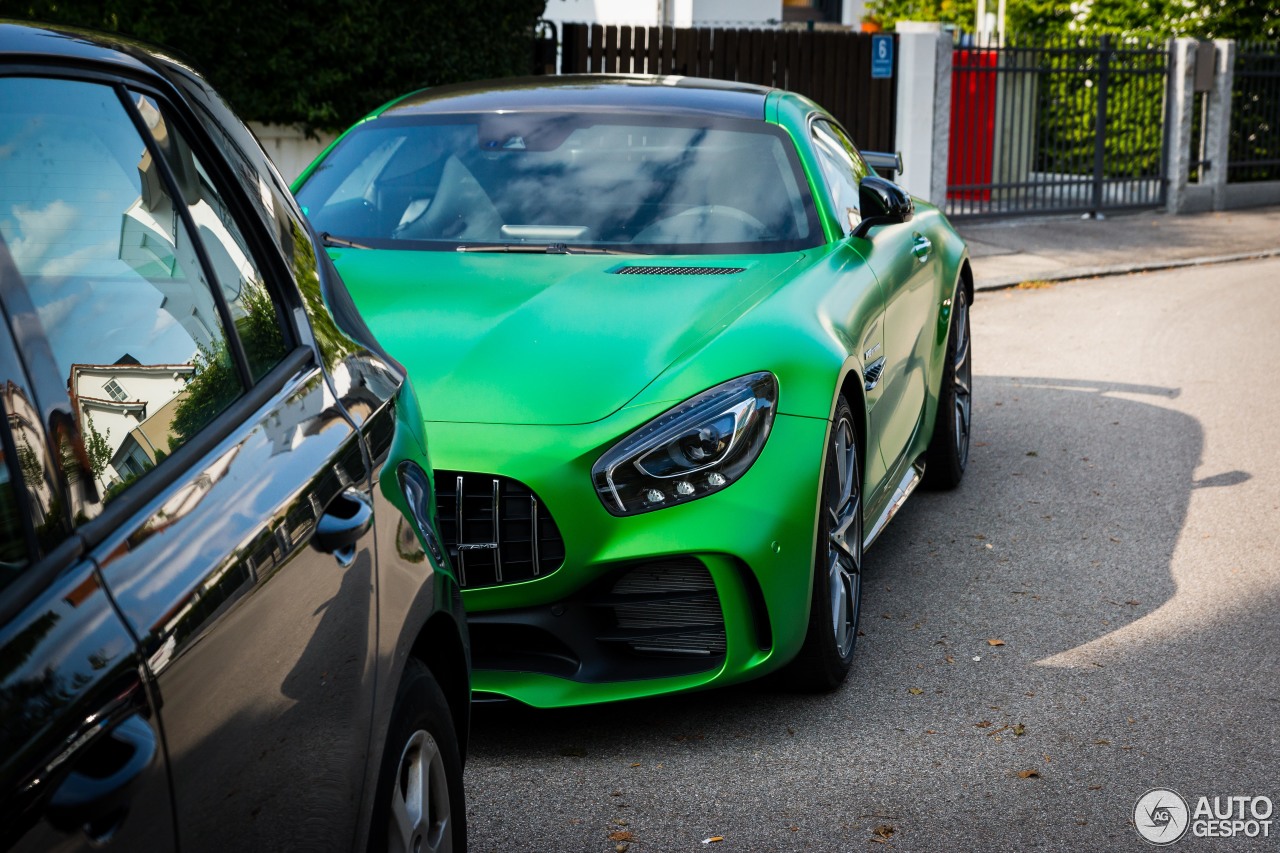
(881, 57)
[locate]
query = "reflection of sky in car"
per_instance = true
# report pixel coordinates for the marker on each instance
(604, 179)
(69, 178)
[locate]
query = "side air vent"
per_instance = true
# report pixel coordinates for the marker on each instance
(639, 270)
(496, 529)
(666, 608)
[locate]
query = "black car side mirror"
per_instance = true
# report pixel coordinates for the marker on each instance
(883, 203)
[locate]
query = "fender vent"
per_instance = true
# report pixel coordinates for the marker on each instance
(678, 270)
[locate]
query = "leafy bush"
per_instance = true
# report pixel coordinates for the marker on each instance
(320, 64)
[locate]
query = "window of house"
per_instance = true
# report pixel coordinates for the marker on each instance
(114, 390)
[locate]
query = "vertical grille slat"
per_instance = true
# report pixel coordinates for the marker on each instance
(496, 529)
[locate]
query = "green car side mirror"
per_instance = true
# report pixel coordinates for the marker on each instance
(883, 203)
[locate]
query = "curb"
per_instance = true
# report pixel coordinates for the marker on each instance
(1071, 273)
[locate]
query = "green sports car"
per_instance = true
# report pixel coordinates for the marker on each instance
(684, 353)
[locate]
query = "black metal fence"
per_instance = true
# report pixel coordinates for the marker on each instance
(1059, 126)
(1253, 152)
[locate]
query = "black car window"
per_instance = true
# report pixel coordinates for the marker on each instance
(843, 170)
(243, 286)
(120, 286)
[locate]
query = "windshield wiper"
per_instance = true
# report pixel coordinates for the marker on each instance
(340, 242)
(544, 249)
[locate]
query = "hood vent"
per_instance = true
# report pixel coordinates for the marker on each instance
(632, 270)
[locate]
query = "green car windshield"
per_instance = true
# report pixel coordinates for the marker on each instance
(528, 181)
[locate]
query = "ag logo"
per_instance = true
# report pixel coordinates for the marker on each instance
(1161, 816)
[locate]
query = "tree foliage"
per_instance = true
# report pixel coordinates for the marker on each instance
(321, 64)
(1237, 19)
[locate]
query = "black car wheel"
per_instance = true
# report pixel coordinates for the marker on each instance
(949, 447)
(420, 805)
(827, 653)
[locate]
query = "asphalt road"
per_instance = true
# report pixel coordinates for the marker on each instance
(1117, 531)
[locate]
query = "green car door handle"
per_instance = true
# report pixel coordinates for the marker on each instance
(921, 247)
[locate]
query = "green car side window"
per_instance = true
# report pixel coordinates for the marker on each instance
(843, 170)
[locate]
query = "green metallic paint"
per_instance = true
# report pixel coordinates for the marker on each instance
(531, 366)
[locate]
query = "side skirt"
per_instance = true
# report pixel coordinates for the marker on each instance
(910, 479)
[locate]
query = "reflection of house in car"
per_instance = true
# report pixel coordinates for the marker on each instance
(131, 406)
(148, 243)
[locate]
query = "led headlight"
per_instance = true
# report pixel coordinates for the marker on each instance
(696, 449)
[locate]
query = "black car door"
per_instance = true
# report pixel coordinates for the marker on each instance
(232, 525)
(81, 759)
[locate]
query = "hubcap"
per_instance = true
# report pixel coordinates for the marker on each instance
(963, 370)
(842, 502)
(420, 804)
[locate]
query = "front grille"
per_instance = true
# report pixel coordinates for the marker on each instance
(666, 608)
(496, 529)
(643, 270)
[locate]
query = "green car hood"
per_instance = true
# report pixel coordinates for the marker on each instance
(544, 339)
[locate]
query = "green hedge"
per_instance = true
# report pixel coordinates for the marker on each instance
(320, 64)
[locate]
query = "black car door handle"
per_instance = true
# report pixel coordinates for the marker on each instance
(95, 795)
(347, 518)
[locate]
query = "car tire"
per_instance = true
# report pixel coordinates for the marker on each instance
(420, 804)
(948, 453)
(827, 654)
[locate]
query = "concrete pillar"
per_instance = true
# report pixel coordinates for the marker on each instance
(1218, 122)
(923, 129)
(1181, 100)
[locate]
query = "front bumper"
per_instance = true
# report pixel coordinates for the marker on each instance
(548, 641)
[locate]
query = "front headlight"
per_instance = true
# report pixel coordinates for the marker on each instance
(694, 450)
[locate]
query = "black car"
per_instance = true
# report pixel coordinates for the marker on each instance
(226, 622)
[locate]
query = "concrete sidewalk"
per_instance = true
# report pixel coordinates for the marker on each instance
(1008, 252)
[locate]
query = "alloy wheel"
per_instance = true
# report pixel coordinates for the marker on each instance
(420, 803)
(843, 504)
(963, 373)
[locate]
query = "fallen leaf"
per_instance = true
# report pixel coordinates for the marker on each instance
(950, 659)
(620, 822)
(915, 691)
(1095, 787)
(794, 828)
(1029, 774)
(1102, 742)
(994, 642)
(884, 830)
(1019, 730)
(620, 835)
(635, 764)
(997, 731)
(984, 724)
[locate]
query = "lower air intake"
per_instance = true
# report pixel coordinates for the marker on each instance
(668, 609)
